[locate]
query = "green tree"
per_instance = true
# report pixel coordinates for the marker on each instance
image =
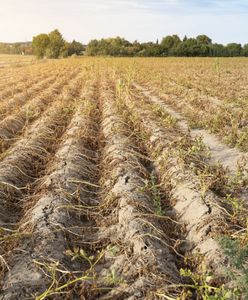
(204, 45)
(245, 50)
(111, 46)
(169, 45)
(40, 44)
(92, 48)
(203, 40)
(73, 48)
(217, 50)
(150, 49)
(234, 49)
(133, 49)
(56, 44)
(189, 47)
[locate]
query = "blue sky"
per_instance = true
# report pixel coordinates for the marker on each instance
(223, 20)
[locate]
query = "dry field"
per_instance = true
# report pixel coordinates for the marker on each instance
(16, 60)
(124, 179)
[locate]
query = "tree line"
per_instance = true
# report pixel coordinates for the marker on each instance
(53, 45)
(169, 46)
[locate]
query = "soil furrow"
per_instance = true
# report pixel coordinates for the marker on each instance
(143, 260)
(196, 206)
(55, 225)
(26, 159)
(228, 157)
(114, 183)
(23, 89)
(10, 105)
(12, 126)
(24, 79)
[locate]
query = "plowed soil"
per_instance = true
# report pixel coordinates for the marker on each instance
(107, 191)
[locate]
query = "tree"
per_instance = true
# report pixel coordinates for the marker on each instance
(92, 48)
(245, 50)
(189, 47)
(234, 49)
(204, 45)
(56, 44)
(169, 45)
(73, 48)
(150, 49)
(217, 50)
(185, 38)
(40, 44)
(203, 40)
(133, 49)
(111, 46)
